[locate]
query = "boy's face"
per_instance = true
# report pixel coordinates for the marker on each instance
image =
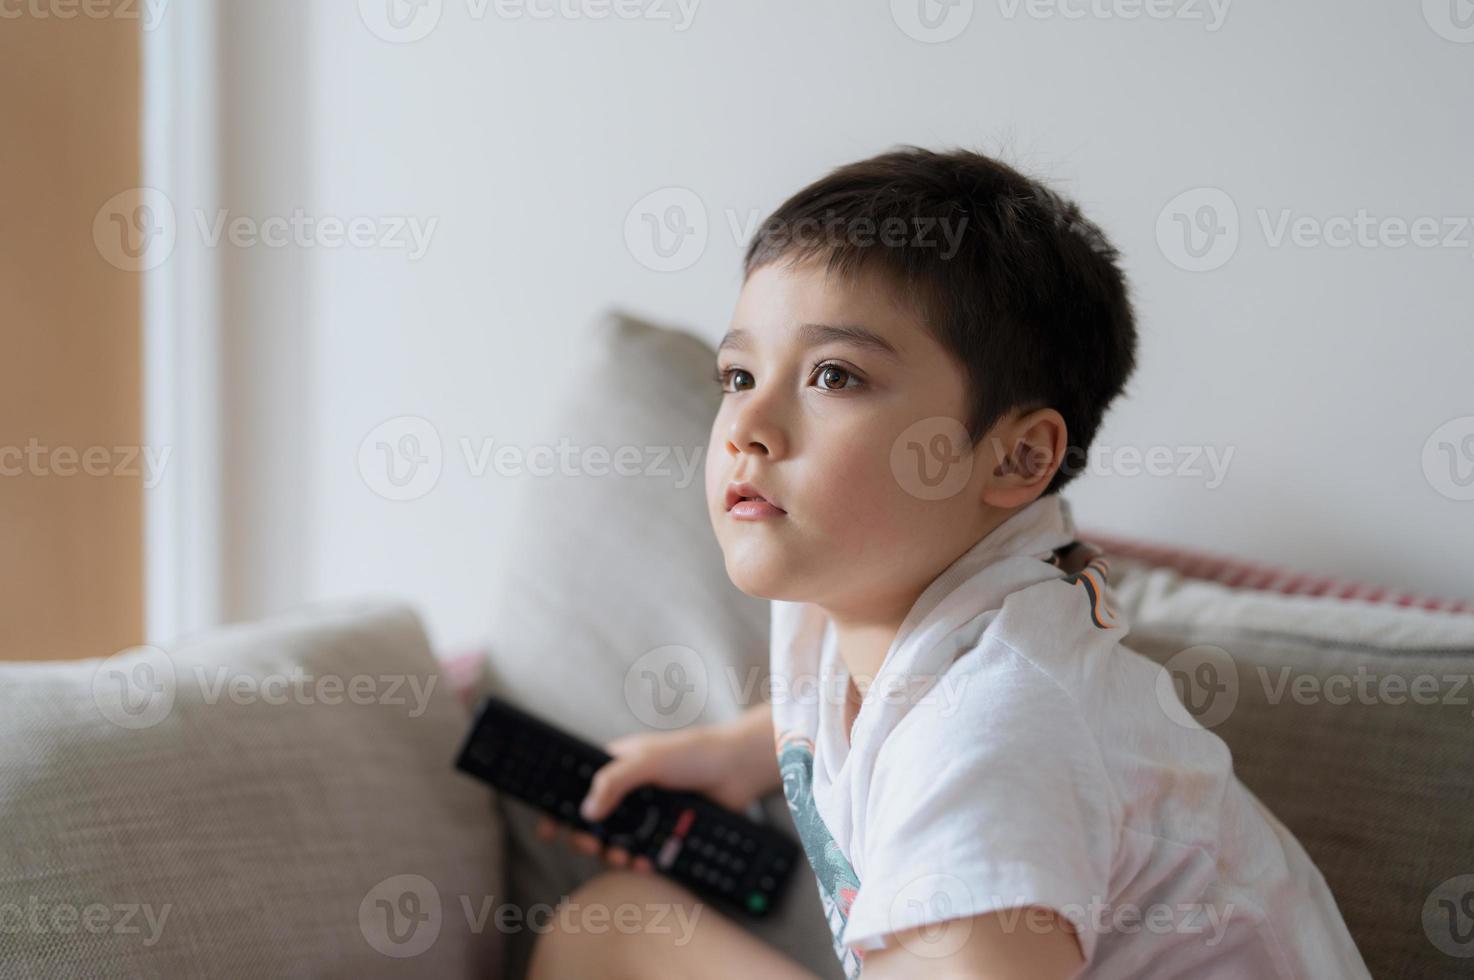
(816, 423)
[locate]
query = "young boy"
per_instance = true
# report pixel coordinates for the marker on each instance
(986, 782)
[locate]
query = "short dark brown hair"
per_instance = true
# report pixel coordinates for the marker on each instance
(1021, 288)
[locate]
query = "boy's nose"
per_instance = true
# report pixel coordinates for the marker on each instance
(752, 433)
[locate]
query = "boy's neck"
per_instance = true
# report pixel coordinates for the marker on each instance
(863, 636)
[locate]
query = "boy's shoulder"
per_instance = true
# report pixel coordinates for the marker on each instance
(1064, 622)
(1039, 666)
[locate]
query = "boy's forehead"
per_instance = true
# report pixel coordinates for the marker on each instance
(811, 334)
(804, 307)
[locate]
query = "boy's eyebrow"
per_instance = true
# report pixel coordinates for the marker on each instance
(814, 334)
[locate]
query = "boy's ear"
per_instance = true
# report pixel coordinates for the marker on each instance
(1024, 451)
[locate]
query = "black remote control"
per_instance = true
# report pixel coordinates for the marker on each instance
(696, 841)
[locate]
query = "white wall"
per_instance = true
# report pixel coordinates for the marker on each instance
(1324, 370)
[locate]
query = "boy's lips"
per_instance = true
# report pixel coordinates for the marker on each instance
(747, 500)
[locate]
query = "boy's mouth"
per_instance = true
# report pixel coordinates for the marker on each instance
(746, 500)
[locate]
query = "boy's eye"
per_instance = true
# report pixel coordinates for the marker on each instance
(832, 377)
(725, 376)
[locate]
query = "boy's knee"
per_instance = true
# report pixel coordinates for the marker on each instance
(623, 887)
(602, 922)
(624, 905)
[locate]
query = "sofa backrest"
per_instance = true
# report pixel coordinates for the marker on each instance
(1351, 721)
(267, 799)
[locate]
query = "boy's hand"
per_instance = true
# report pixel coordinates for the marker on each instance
(710, 759)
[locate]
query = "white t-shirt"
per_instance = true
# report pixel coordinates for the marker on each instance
(1010, 753)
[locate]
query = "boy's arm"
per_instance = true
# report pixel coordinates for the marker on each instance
(983, 947)
(751, 737)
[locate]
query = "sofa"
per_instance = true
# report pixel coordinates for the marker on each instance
(277, 798)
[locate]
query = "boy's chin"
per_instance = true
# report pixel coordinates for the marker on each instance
(761, 577)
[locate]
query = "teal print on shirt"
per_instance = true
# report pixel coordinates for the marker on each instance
(838, 883)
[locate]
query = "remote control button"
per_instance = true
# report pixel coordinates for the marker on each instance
(757, 901)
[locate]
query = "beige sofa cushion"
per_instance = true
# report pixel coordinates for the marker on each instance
(619, 578)
(1352, 722)
(251, 802)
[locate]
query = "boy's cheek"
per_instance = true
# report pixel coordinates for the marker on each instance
(717, 467)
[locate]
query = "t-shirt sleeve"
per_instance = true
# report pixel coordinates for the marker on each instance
(989, 796)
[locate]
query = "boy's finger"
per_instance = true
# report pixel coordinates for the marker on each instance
(609, 786)
(642, 863)
(546, 829)
(584, 843)
(617, 856)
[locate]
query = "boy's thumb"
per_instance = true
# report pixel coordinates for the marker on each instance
(610, 783)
